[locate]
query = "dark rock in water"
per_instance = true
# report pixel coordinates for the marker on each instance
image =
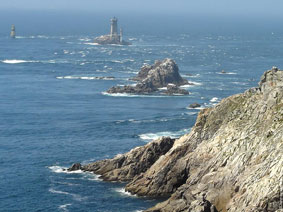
(125, 167)
(75, 167)
(173, 89)
(194, 105)
(152, 77)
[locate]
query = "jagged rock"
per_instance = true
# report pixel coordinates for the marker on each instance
(150, 78)
(125, 167)
(233, 155)
(75, 167)
(173, 89)
(238, 165)
(194, 105)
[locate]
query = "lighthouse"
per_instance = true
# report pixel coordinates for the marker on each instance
(13, 31)
(114, 27)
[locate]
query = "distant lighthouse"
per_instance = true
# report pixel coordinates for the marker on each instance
(114, 27)
(13, 31)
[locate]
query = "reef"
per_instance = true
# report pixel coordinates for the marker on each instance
(151, 78)
(231, 161)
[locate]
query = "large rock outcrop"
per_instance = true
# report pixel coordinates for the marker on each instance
(125, 167)
(152, 77)
(232, 160)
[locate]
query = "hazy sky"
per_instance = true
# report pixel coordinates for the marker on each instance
(138, 16)
(253, 7)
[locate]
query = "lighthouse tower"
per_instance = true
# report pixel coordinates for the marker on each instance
(113, 30)
(114, 27)
(13, 31)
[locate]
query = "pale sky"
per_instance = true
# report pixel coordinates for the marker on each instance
(217, 7)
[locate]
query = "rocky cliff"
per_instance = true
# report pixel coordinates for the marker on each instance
(232, 160)
(152, 77)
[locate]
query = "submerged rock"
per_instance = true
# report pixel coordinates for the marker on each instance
(151, 77)
(232, 160)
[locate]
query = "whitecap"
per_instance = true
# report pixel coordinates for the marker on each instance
(61, 169)
(229, 73)
(64, 207)
(18, 61)
(124, 192)
(153, 136)
(142, 96)
(75, 196)
(214, 99)
(92, 44)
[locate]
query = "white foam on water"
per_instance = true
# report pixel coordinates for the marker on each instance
(85, 78)
(64, 207)
(124, 192)
(92, 44)
(214, 99)
(195, 83)
(61, 169)
(19, 61)
(196, 108)
(141, 96)
(153, 136)
(162, 89)
(75, 196)
(229, 73)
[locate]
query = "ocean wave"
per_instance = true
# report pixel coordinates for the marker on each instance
(86, 175)
(215, 99)
(92, 44)
(124, 192)
(229, 73)
(75, 196)
(64, 207)
(19, 61)
(61, 169)
(85, 78)
(142, 95)
(153, 136)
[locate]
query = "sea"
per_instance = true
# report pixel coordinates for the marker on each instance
(54, 109)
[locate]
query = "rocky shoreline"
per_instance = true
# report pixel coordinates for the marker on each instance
(232, 160)
(162, 74)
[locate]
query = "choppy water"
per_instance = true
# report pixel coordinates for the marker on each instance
(54, 111)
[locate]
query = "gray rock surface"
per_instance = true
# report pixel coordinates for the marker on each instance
(194, 105)
(151, 77)
(231, 161)
(125, 167)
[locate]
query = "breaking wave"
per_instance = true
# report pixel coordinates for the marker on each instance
(19, 61)
(86, 78)
(124, 192)
(153, 136)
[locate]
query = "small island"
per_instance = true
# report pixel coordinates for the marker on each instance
(161, 76)
(113, 37)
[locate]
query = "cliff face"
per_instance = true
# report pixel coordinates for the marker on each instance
(232, 160)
